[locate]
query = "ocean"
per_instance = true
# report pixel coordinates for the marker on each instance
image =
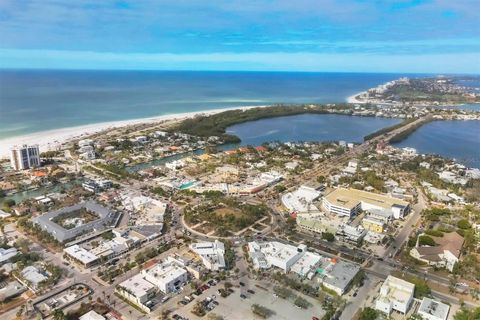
(39, 100)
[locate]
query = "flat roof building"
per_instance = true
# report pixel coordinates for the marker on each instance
(25, 157)
(105, 219)
(81, 255)
(433, 310)
(212, 254)
(348, 202)
(273, 253)
(301, 200)
(395, 294)
(137, 289)
(167, 276)
(340, 276)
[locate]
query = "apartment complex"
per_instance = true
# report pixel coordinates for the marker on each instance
(25, 157)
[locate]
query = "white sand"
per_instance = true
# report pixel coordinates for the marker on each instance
(51, 139)
(353, 98)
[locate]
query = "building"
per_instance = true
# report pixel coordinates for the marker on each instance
(433, 310)
(301, 200)
(445, 254)
(340, 276)
(92, 315)
(348, 202)
(10, 290)
(7, 254)
(317, 223)
(25, 157)
(137, 290)
(33, 277)
(212, 254)
(167, 276)
(395, 294)
(273, 253)
(373, 224)
(52, 221)
(81, 256)
(351, 233)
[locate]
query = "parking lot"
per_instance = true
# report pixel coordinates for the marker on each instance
(235, 307)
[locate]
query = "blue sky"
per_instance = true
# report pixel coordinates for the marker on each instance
(438, 36)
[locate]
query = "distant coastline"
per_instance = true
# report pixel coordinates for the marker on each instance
(51, 139)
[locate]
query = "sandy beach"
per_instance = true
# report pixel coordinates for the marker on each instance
(353, 98)
(51, 139)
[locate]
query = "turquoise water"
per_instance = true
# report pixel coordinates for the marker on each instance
(458, 140)
(187, 185)
(32, 101)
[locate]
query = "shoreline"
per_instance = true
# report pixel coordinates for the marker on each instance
(353, 98)
(52, 139)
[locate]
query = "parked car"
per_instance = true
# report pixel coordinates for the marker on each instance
(251, 291)
(242, 284)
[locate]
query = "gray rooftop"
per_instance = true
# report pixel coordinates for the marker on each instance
(435, 308)
(106, 219)
(341, 275)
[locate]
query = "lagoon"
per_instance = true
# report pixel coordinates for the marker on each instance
(309, 127)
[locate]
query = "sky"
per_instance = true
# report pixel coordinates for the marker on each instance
(425, 36)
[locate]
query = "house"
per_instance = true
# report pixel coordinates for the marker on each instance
(7, 254)
(33, 277)
(92, 315)
(395, 294)
(445, 254)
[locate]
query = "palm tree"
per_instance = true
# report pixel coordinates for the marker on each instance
(58, 314)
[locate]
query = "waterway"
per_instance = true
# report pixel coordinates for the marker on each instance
(30, 194)
(457, 139)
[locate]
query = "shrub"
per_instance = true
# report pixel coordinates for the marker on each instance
(463, 224)
(328, 236)
(426, 241)
(435, 233)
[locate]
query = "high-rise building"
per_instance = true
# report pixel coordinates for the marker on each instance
(24, 157)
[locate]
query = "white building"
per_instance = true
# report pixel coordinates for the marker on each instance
(92, 315)
(273, 253)
(348, 202)
(395, 294)
(168, 276)
(137, 289)
(25, 157)
(7, 254)
(301, 200)
(81, 255)
(33, 276)
(212, 254)
(433, 310)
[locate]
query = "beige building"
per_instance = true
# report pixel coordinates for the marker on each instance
(348, 202)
